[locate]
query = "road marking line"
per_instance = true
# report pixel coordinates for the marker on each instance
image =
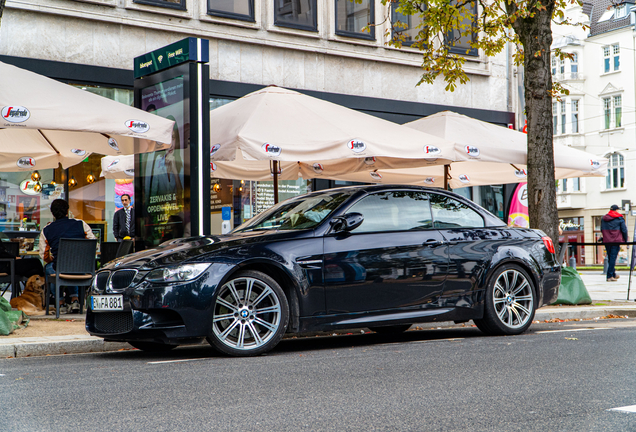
(175, 361)
(573, 330)
(627, 409)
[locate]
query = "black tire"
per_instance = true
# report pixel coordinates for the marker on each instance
(250, 315)
(510, 302)
(155, 347)
(394, 329)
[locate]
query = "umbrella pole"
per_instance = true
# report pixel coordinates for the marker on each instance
(275, 165)
(445, 177)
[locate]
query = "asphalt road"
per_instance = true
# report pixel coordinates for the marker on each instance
(556, 377)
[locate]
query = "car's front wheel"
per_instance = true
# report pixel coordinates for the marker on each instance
(250, 315)
(509, 306)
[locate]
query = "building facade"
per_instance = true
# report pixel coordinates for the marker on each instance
(598, 116)
(322, 48)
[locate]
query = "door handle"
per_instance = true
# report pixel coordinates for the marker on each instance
(433, 242)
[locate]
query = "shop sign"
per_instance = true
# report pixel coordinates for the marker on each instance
(188, 49)
(28, 187)
(569, 225)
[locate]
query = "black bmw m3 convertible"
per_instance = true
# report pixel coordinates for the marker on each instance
(377, 257)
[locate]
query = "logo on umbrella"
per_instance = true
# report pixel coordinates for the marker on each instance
(78, 152)
(375, 175)
(357, 146)
(271, 149)
(214, 149)
(137, 126)
(595, 164)
(464, 178)
(112, 142)
(26, 162)
(212, 167)
(318, 168)
(429, 180)
(113, 163)
(15, 114)
(130, 172)
(521, 173)
(472, 151)
(369, 160)
(432, 150)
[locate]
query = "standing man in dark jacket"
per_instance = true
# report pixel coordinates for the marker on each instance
(124, 220)
(614, 230)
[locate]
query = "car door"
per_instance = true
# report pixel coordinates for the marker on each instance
(470, 247)
(394, 259)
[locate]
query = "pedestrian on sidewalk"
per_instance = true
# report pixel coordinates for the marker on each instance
(614, 230)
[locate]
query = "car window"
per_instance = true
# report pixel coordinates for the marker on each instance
(393, 211)
(296, 214)
(451, 213)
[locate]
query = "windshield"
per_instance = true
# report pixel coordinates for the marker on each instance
(297, 213)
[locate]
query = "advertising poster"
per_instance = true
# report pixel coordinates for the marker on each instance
(518, 214)
(162, 172)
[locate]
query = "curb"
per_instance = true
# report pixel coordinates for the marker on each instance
(84, 344)
(55, 345)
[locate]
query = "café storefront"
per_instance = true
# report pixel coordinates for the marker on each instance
(95, 199)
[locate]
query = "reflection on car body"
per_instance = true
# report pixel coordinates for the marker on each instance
(382, 257)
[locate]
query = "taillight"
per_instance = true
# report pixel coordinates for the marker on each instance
(547, 241)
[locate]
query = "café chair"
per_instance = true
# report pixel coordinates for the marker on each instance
(75, 266)
(12, 248)
(113, 250)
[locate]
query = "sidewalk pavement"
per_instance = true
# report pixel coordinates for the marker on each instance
(608, 299)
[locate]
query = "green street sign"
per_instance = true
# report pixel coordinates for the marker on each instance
(185, 50)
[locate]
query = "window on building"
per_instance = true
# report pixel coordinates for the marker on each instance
(299, 14)
(554, 65)
(236, 9)
(562, 66)
(621, 11)
(617, 111)
(555, 119)
(612, 112)
(574, 106)
(611, 58)
(574, 66)
(615, 172)
(405, 26)
(562, 117)
(172, 4)
(571, 185)
(352, 17)
(458, 42)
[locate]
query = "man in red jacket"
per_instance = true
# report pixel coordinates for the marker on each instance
(614, 230)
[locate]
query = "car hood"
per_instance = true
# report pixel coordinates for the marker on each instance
(193, 249)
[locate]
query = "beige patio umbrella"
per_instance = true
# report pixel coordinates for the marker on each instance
(118, 167)
(279, 125)
(485, 154)
(44, 123)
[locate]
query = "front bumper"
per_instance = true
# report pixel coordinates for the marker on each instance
(158, 312)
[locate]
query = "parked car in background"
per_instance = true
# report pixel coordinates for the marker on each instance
(378, 257)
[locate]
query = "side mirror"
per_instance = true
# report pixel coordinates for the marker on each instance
(347, 223)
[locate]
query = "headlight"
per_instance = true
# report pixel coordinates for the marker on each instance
(180, 273)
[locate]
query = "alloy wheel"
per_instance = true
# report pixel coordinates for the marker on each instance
(513, 299)
(247, 314)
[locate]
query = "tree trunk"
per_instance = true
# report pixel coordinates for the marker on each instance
(2, 3)
(536, 36)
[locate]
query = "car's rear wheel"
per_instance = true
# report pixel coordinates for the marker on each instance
(394, 329)
(510, 302)
(250, 315)
(152, 346)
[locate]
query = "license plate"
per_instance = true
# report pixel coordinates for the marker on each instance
(107, 303)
